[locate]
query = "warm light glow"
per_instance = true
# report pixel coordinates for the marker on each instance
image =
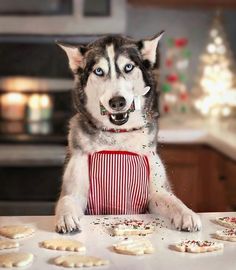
(218, 40)
(19, 84)
(45, 101)
(211, 48)
(217, 81)
(214, 32)
(40, 107)
(13, 106)
(13, 98)
(226, 111)
(39, 101)
(34, 101)
(221, 49)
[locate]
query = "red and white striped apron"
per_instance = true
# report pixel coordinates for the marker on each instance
(119, 182)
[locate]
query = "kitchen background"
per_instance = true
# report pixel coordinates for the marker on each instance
(197, 85)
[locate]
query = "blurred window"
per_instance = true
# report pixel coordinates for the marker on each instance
(36, 7)
(97, 8)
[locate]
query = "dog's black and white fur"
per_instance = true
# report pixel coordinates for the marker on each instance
(115, 66)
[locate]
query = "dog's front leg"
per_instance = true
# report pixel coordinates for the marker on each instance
(73, 198)
(162, 201)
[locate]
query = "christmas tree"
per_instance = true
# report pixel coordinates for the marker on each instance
(216, 83)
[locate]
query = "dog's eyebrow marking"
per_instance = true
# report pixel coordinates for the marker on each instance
(111, 60)
(103, 63)
(118, 71)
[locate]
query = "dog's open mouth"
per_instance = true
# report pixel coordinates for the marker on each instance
(119, 118)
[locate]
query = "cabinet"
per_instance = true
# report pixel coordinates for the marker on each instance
(29, 190)
(229, 178)
(200, 176)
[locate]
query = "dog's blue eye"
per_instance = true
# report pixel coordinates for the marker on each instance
(128, 68)
(98, 72)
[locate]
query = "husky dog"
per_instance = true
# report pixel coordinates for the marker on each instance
(112, 165)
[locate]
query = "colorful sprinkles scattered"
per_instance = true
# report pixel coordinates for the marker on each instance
(198, 243)
(229, 232)
(226, 235)
(228, 219)
(109, 225)
(229, 222)
(197, 246)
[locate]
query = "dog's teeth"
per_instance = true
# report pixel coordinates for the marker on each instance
(113, 116)
(126, 114)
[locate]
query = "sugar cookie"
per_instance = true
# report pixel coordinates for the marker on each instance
(79, 261)
(132, 227)
(229, 222)
(5, 244)
(16, 259)
(134, 247)
(16, 231)
(64, 244)
(226, 235)
(193, 246)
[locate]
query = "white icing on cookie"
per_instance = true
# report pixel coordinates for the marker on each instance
(229, 222)
(226, 235)
(198, 246)
(134, 247)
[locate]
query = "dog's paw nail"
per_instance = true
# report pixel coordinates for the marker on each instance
(76, 230)
(60, 230)
(186, 229)
(63, 230)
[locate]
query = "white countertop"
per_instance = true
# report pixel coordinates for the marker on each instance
(221, 135)
(98, 243)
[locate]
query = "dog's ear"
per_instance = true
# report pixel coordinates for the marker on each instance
(148, 48)
(75, 55)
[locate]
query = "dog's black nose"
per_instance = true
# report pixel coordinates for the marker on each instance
(117, 103)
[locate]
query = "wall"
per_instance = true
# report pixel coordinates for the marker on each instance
(193, 24)
(64, 24)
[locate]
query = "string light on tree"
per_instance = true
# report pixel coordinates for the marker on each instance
(216, 82)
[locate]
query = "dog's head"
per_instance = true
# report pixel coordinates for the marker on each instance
(114, 80)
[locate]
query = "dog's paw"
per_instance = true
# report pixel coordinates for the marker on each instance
(187, 221)
(67, 224)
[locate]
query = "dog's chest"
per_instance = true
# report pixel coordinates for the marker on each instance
(119, 182)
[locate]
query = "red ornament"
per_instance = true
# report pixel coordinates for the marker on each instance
(166, 108)
(181, 42)
(172, 78)
(169, 62)
(183, 96)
